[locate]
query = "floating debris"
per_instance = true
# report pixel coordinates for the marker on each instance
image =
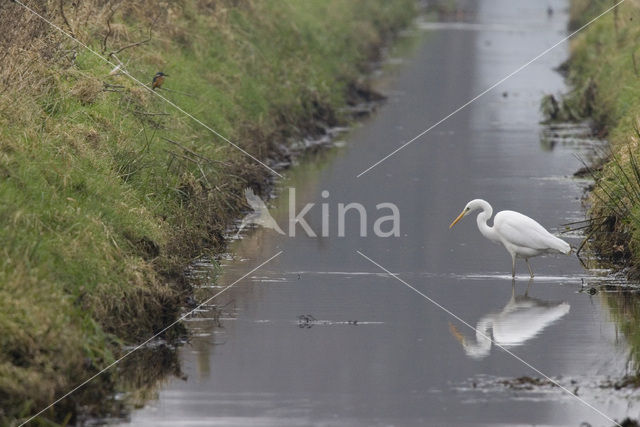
(307, 321)
(527, 383)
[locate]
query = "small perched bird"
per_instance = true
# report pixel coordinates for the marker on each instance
(521, 236)
(158, 80)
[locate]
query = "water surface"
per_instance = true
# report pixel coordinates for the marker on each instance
(320, 336)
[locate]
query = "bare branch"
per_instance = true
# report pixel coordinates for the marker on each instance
(109, 30)
(106, 87)
(66, 21)
(147, 40)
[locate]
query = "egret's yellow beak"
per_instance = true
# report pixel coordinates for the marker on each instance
(455, 221)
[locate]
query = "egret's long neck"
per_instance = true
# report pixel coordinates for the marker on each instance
(482, 219)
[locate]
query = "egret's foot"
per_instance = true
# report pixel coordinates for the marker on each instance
(529, 267)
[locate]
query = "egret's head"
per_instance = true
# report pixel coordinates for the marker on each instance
(470, 207)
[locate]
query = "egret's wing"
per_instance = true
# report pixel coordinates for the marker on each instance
(254, 201)
(523, 231)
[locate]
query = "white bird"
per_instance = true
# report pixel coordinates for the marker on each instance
(521, 236)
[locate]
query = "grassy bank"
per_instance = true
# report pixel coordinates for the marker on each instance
(605, 72)
(106, 191)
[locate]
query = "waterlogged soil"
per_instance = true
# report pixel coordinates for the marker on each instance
(321, 336)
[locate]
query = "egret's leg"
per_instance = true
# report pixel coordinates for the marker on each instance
(513, 266)
(530, 272)
(526, 293)
(513, 288)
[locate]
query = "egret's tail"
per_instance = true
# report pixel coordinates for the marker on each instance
(561, 246)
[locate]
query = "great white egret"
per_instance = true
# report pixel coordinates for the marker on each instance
(521, 236)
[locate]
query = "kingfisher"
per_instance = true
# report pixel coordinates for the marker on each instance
(158, 80)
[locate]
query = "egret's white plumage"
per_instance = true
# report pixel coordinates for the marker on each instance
(521, 236)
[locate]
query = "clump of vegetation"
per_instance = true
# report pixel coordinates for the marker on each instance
(605, 60)
(106, 191)
(574, 106)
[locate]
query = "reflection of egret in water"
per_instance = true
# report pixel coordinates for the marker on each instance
(520, 320)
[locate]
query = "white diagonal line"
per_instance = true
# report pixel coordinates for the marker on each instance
(125, 72)
(490, 88)
(147, 341)
(449, 312)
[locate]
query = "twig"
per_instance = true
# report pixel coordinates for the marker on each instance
(66, 21)
(204, 176)
(131, 45)
(582, 227)
(106, 87)
(113, 55)
(147, 40)
(182, 156)
(109, 30)
(76, 6)
(576, 222)
(635, 66)
(197, 163)
(586, 239)
(193, 153)
(584, 264)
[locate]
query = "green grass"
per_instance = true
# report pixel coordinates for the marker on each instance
(605, 71)
(99, 212)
